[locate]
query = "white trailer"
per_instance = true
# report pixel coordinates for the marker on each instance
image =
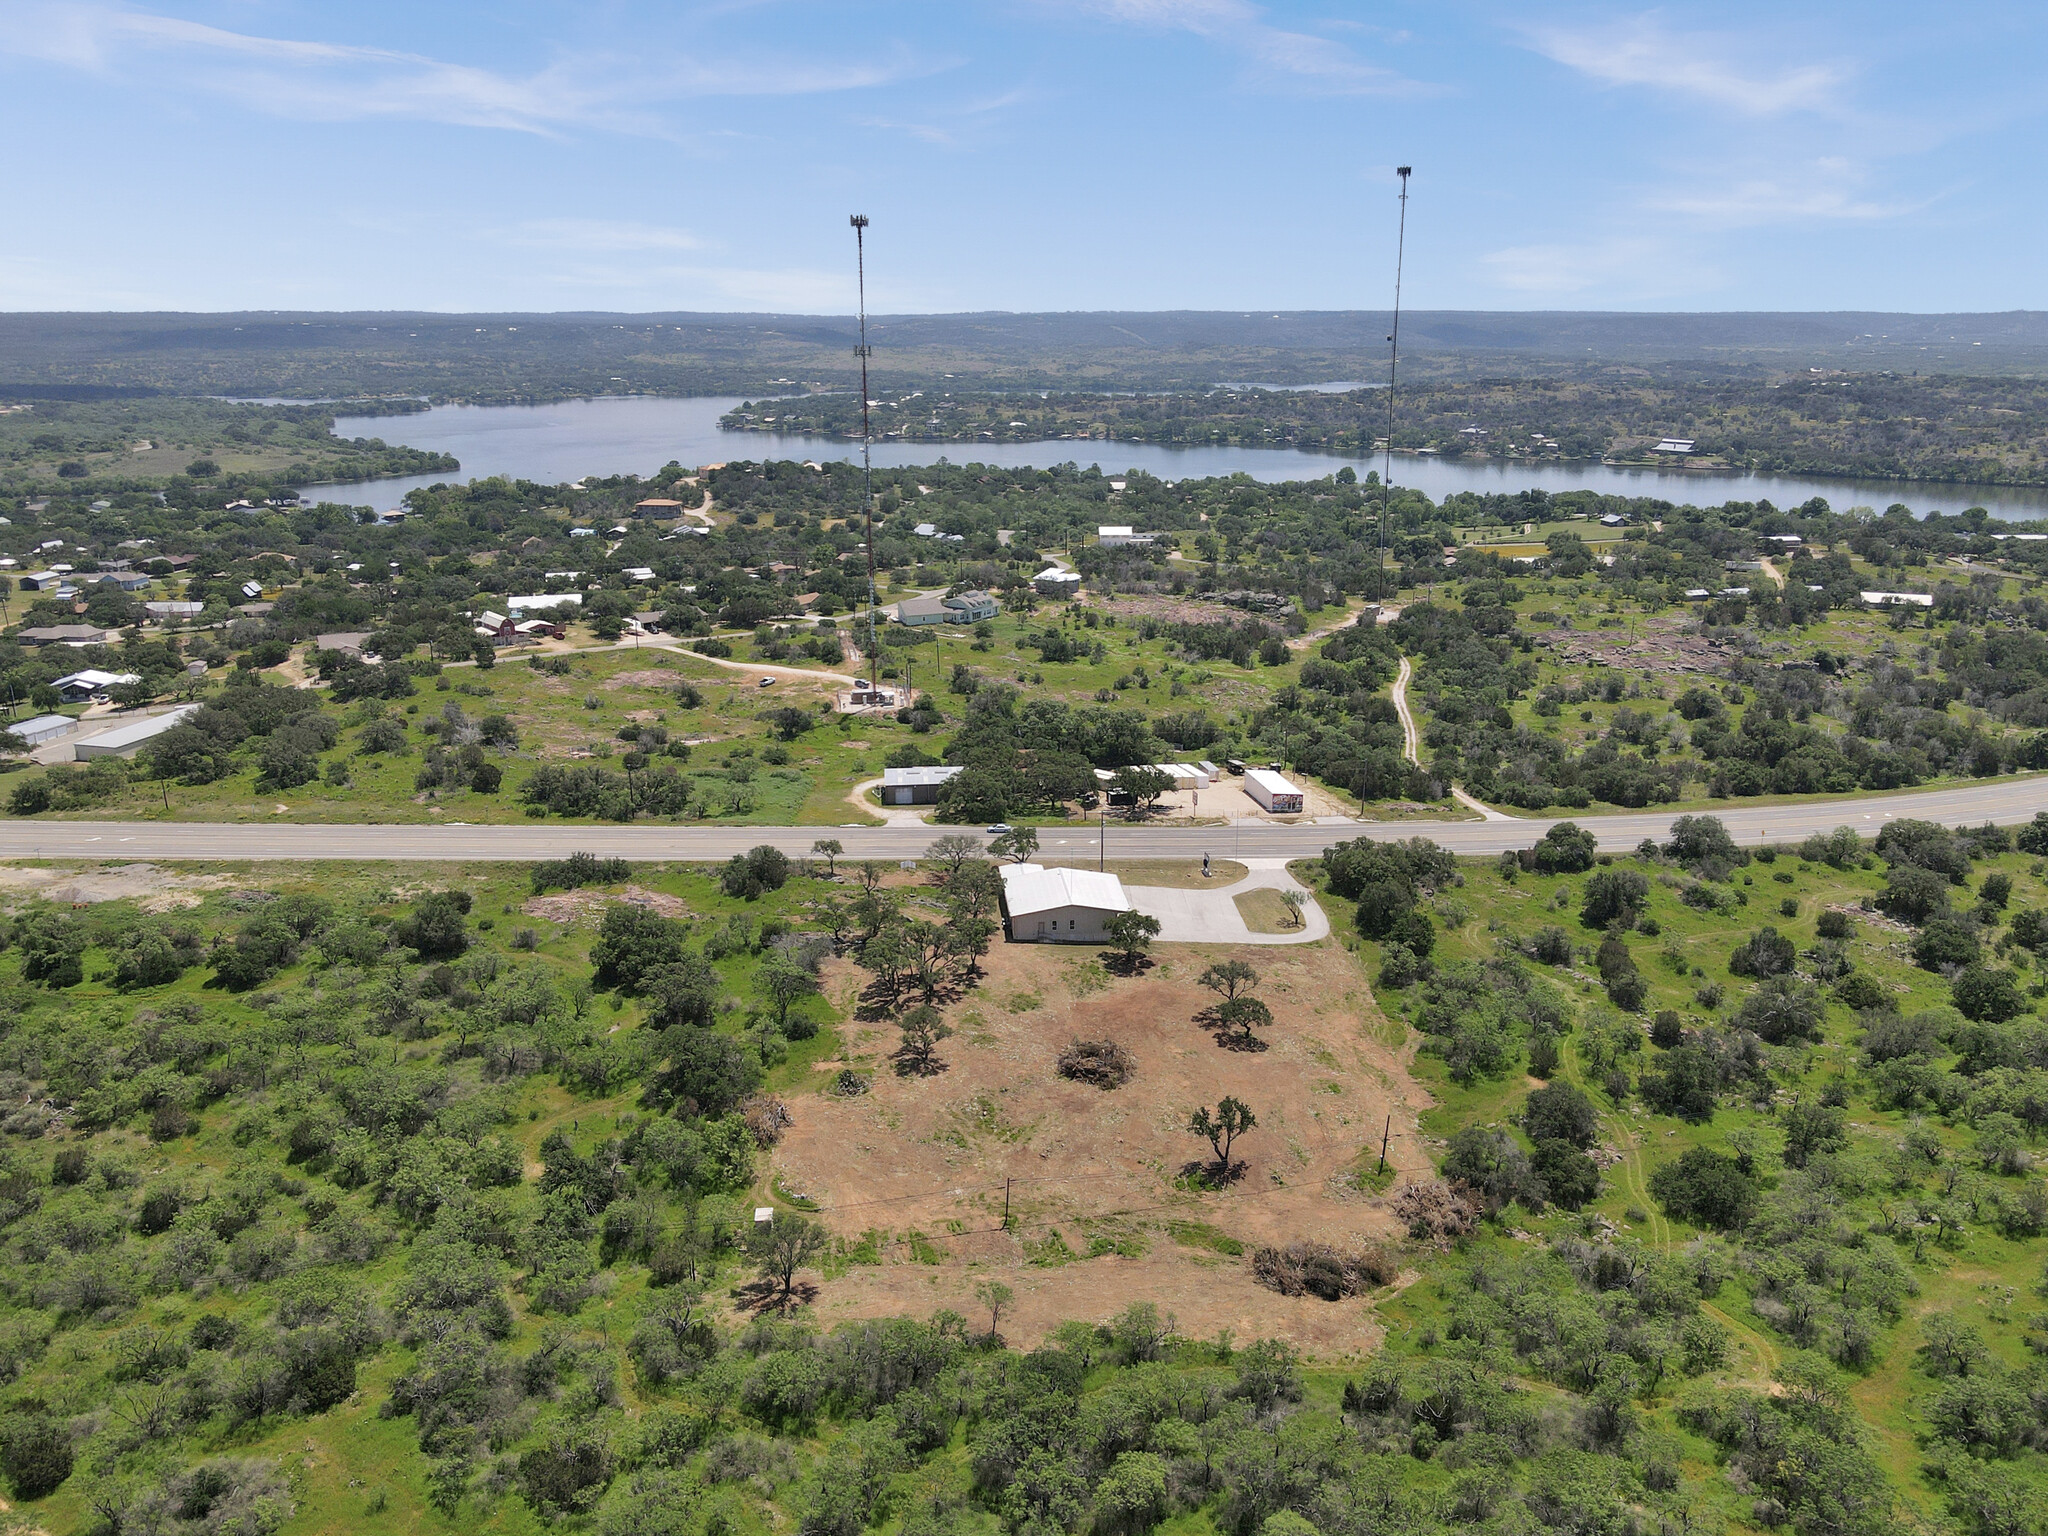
(1272, 792)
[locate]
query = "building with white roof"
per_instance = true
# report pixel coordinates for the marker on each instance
(1060, 906)
(43, 728)
(125, 739)
(79, 686)
(540, 602)
(1054, 582)
(914, 786)
(1899, 599)
(1119, 533)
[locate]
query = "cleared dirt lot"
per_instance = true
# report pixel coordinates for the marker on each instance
(1100, 1170)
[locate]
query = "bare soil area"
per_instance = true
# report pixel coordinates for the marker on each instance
(158, 890)
(1094, 1179)
(571, 907)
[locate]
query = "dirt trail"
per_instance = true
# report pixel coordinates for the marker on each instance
(1411, 739)
(1411, 744)
(1771, 571)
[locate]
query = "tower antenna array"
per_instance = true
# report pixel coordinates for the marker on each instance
(859, 221)
(1393, 370)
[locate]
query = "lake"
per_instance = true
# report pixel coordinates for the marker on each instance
(639, 434)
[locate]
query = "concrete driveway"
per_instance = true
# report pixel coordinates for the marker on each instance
(1211, 917)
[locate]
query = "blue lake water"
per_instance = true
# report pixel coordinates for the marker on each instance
(639, 434)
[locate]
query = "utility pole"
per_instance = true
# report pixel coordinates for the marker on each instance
(1393, 369)
(1006, 1203)
(1385, 1136)
(859, 221)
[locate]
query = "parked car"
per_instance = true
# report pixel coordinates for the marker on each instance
(767, 682)
(1001, 829)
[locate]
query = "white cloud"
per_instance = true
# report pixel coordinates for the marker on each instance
(1627, 270)
(1642, 51)
(339, 82)
(1302, 58)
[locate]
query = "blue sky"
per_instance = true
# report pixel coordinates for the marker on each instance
(1020, 154)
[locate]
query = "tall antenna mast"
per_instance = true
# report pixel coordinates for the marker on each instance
(1393, 371)
(859, 221)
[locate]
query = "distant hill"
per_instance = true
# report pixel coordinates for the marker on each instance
(518, 356)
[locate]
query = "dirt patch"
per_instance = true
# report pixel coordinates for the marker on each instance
(1091, 1175)
(1660, 644)
(157, 890)
(571, 907)
(645, 677)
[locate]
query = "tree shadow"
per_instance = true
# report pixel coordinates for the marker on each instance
(1127, 965)
(1207, 1173)
(763, 1296)
(1231, 1040)
(908, 1065)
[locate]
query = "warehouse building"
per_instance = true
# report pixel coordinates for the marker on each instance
(914, 786)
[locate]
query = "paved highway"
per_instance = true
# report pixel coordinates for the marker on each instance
(2005, 801)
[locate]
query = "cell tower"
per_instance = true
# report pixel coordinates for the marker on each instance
(1393, 371)
(859, 221)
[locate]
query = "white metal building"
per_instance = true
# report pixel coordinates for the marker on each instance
(1060, 906)
(1272, 791)
(1899, 599)
(42, 728)
(914, 786)
(1119, 533)
(123, 740)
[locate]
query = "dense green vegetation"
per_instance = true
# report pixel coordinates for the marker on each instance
(1867, 424)
(328, 355)
(159, 440)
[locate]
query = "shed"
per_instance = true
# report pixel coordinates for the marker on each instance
(1060, 906)
(1272, 791)
(1054, 582)
(42, 728)
(914, 786)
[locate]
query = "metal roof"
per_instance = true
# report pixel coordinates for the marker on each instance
(1029, 888)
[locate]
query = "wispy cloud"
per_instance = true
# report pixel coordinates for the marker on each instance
(344, 81)
(952, 126)
(1828, 189)
(1304, 59)
(1641, 50)
(1627, 269)
(786, 290)
(602, 235)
